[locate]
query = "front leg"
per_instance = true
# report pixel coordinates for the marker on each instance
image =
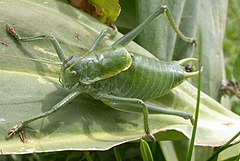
(16, 129)
(52, 39)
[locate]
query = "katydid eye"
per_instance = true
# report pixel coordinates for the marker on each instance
(74, 72)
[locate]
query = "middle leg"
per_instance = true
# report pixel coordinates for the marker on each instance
(104, 32)
(127, 105)
(138, 106)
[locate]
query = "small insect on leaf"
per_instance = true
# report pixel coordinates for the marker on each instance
(105, 11)
(3, 43)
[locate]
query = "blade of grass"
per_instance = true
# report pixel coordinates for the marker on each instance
(225, 146)
(145, 151)
(117, 154)
(189, 156)
(88, 156)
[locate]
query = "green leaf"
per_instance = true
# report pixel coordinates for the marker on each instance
(145, 151)
(105, 11)
(110, 8)
(127, 18)
(177, 151)
(29, 88)
(117, 154)
(212, 21)
(231, 153)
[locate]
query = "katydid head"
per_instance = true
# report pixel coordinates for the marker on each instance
(68, 78)
(95, 66)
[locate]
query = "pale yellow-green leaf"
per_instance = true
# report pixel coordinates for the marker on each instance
(29, 88)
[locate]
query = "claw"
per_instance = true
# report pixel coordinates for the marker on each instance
(194, 42)
(150, 136)
(22, 136)
(14, 131)
(191, 118)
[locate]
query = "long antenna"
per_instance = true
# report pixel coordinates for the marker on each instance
(33, 59)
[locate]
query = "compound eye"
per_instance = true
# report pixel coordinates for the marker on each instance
(189, 68)
(74, 72)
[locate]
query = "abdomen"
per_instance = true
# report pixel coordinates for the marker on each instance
(146, 78)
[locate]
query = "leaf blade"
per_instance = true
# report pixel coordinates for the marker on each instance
(84, 130)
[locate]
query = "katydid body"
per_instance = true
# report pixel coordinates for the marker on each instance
(119, 78)
(135, 82)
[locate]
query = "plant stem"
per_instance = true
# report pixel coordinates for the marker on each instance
(191, 146)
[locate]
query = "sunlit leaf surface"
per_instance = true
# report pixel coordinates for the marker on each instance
(29, 88)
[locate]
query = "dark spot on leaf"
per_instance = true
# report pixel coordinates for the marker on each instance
(4, 43)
